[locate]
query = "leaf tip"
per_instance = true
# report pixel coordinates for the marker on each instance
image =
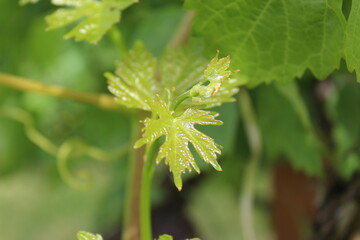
(218, 168)
(178, 181)
(138, 144)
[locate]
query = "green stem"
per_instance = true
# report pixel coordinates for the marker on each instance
(180, 37)
(32, 133)
(180, 99)
(145, 201)
(254, 140)
(104, 101)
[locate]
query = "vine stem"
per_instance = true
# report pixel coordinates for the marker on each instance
(104, 101)
(180, 99)
(255, 145)
(145, 200)
(180, 37)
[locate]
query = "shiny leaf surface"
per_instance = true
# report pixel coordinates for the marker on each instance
(167, 90)
(168, 237)
(217, 87)
(88, 236)
(134, 83)
(98, 17)
(179, 132)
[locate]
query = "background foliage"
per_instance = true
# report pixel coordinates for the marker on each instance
(302, 120)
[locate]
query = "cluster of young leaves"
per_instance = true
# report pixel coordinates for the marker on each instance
(278, 40)
(168, 237)
(99, 16)
(175, 90)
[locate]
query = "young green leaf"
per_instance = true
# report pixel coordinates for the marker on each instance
(181, 70)
(168, 237)
(139, 78)
(215, 74)
(167, 90)
(88, 236)
(193, 84)
(227, 89)
(165, 237)
(220, 87)
(99, 17)
(179, 132)
(134, 83)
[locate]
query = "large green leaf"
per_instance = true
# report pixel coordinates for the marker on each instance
(179, 132)
(274, 39)
(99, 17)
(352, 49)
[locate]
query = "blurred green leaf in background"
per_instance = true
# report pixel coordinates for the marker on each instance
(281, 47)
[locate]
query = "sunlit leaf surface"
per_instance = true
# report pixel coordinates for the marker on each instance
(97, 17)
(88, 236)
(167, 90)
(134, 83)
(140, 77)
(168, 237)
(179, 132)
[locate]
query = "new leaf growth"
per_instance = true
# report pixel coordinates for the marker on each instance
(175, 90)
(99, 17)
(88, 236)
